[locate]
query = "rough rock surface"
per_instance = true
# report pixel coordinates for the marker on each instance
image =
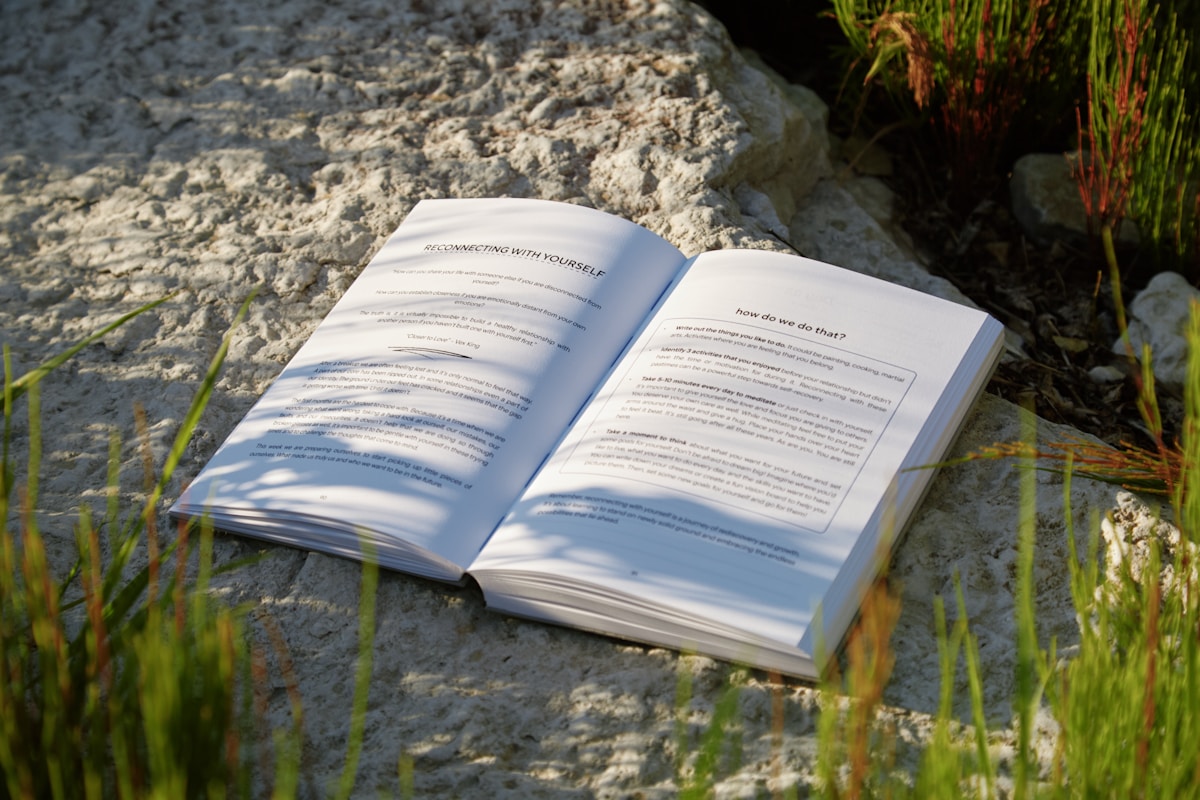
(159, 146)
(1131, 532)
(1045, 199)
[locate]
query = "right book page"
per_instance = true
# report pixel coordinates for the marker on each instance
(736, 466)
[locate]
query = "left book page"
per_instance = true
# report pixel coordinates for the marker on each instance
(421, 405)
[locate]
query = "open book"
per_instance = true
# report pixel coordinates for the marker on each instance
(702, 453)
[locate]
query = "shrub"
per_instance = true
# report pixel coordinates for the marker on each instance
(974, 69)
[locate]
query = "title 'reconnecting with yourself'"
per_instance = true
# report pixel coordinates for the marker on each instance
(520, 252)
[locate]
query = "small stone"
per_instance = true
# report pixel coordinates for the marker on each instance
(1106, 373)
(1159, 317)
(1046, 200)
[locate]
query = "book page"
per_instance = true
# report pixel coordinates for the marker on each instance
(427, 398)
(742, 449)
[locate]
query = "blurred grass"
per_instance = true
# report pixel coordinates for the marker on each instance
(114, 681)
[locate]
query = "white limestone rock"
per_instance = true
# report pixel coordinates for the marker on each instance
(159, 146)
(1159, 317)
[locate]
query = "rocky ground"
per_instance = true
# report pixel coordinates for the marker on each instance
(157, 146)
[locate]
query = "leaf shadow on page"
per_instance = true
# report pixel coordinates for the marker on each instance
(326, 456)
(697, 558)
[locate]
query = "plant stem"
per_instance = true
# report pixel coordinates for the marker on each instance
(1114, 276)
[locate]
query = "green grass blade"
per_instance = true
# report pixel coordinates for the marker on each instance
(199, 403)
(127, 539)
(7, 470)
(362, 676)
(22, 384)
(714, 740)
(1026, 696)
(975, 687)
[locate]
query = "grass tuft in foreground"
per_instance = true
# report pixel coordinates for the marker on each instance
(114, 681)
(1117, 719)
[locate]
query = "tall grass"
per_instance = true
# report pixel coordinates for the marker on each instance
(1124, 704)
(1139, 146)
(985, 74)
(132, 683)
(114, 681)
